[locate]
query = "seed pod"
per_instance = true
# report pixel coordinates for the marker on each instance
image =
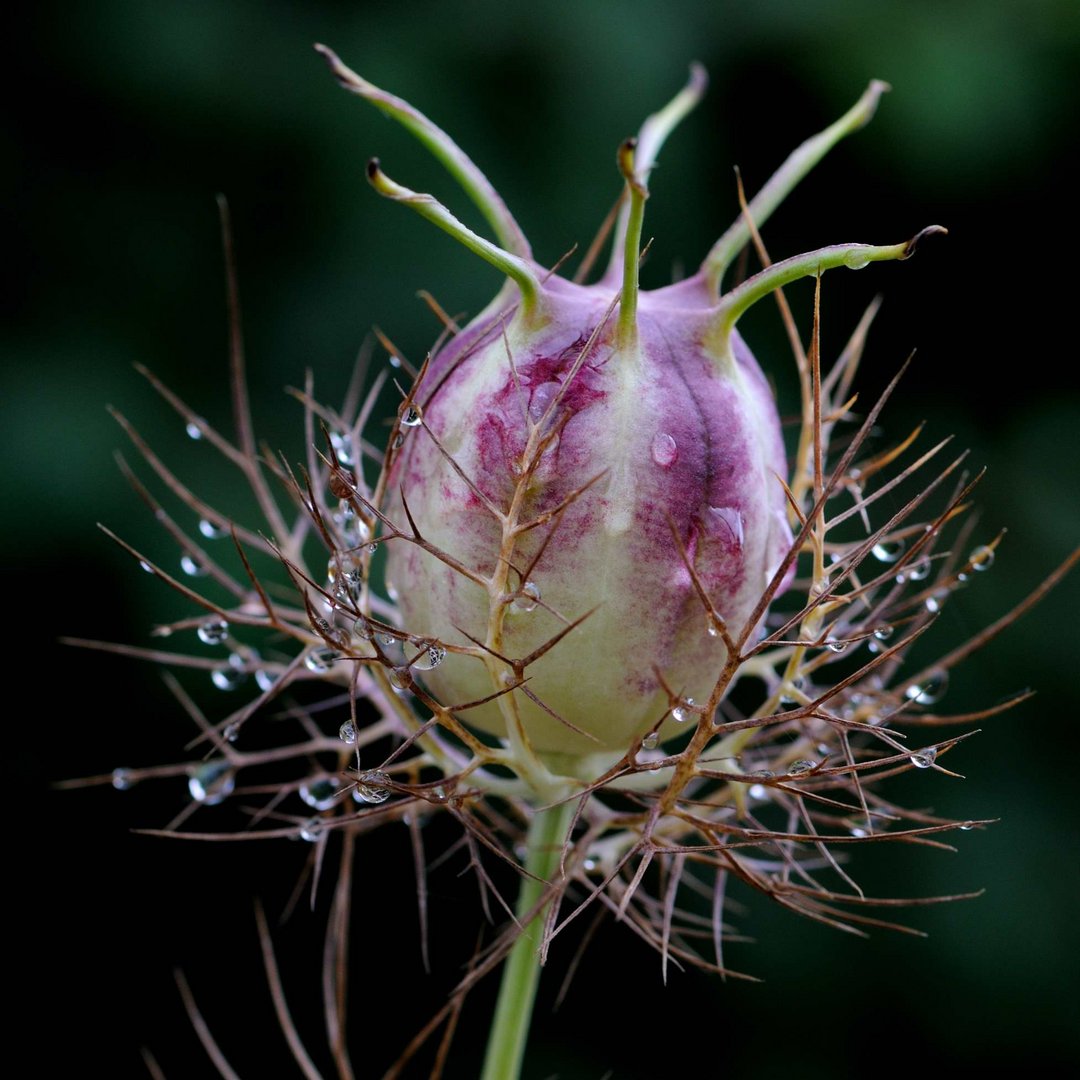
(597, 481)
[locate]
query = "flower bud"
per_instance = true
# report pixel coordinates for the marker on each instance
(588, 504)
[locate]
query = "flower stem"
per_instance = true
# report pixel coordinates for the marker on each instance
(510, 1027)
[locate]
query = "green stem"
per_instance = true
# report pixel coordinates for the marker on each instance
(510, 1027)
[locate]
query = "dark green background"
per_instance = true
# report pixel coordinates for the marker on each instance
(125, 118)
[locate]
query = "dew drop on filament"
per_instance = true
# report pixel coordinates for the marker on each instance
(651, 741)
(527, 601)
(211, 782)
(319, 794)
(887, 551)
(347, 733)
(924, 758)
(211, 531)
(369, 787)
(213, 631)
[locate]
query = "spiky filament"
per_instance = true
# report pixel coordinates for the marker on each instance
(443, 148)
(427, 206)
(798, 164)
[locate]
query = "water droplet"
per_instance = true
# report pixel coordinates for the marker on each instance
(758, 791)
(319, 661)
(320, 794)
(265, 679)
(884, 632)
(362, 629)
(542, 397)
(924, 758)
(931, 690)
(342, 445)
(683, 710)
(122, 779)
(146, 567)
(651, 741)
(982, 558)
(729, 526)
(227, 678)
(430, 658)
(919, 570)
(762, 774)
(801, 766)
(527, 601)
(665, 450)
(858, 832)
(589, 865)
(934, 602)
(400, 678)
(210, 530)
(213, 631)
(231, 732)
(194, 428)
(369, 787)
(413, 416)
(191, 567)
(967, 826)
(311, 830)
(372, 548)
(394, 361)
(212, 782)
(887, 551)
(345, 575)
(836, 646)
(347, 732)
(857, 260)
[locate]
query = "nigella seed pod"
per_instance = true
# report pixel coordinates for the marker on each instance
(596, 454)
(597, 486)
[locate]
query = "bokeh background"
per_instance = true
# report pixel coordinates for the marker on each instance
(123, 121)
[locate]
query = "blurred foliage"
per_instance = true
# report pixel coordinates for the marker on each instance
(127, 117)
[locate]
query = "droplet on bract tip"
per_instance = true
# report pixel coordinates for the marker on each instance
(982, 558)
(924, 758)
(211, 782)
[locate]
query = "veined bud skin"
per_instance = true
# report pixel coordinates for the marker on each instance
(665, 433)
